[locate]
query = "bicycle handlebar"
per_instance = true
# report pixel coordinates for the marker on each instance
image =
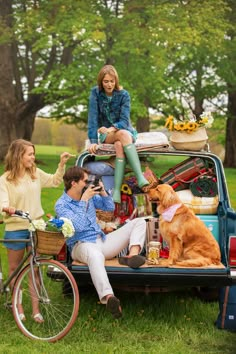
(17, 212)
(22, 214)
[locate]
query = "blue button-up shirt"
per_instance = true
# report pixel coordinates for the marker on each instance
(83, 216)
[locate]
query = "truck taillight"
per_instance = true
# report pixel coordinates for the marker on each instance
(62, 255)
(232, 251)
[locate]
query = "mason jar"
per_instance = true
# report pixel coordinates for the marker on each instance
(154, 248)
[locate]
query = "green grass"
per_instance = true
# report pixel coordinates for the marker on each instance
(52, 150)
(231, 178)
(163, 323)
(155, 323)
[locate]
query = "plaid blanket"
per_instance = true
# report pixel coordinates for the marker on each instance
(200, 205)
(109, 149)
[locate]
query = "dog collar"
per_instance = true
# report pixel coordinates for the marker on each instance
(169, 213)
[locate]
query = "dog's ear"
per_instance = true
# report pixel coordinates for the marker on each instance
(168, 197)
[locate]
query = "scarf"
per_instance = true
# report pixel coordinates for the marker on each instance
(169, 213)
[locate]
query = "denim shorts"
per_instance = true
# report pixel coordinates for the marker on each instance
(9, 235)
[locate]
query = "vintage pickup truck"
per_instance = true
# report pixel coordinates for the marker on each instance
(214, 210)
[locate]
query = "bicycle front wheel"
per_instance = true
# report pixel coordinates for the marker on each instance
(54, 292)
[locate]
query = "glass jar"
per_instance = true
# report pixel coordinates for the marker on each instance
(154, 248)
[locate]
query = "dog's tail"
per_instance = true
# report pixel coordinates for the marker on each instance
(197, 262)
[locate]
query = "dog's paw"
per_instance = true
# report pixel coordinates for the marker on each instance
(171, 261)
(164, 262)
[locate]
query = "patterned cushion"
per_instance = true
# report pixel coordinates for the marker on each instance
(200, 205)
(145, 142)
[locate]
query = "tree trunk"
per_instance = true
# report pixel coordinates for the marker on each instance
(14, 125)
(8, 102)
(26, 114)
(230, 145)
(16, 115)
(7, 98)
(16, 118)
(198, 99)
(143, 125)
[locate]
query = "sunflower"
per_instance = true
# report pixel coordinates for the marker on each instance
(191, 126)
(169, 123)
(189, 123)
(180, 126)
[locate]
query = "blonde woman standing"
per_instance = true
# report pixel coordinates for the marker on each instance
(20, 188)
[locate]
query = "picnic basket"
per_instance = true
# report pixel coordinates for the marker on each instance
(49, 242)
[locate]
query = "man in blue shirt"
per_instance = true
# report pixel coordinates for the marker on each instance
(89, 244)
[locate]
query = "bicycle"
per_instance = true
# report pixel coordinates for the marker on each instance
(44, 280)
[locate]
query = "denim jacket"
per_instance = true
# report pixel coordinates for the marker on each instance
(119, 108)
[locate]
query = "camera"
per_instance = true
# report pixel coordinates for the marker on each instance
(96, 184)
(93, 180)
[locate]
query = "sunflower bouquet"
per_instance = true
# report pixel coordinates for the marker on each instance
(190, 123)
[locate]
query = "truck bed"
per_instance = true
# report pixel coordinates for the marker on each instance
(219, 217)
(155, 277)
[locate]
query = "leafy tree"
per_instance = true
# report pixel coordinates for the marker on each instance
(227, 71)
(37, 44)
(204, 69)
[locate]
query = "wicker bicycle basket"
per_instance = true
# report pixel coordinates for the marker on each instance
(49, 242)
(106, 216)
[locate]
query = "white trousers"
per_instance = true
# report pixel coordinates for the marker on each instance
(94, 254)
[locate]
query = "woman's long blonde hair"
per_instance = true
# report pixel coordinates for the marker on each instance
(110, 70)
(13, 160)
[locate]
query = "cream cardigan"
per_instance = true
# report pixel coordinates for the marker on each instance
(26, 196)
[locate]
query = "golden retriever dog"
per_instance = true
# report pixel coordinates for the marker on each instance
(190, 242)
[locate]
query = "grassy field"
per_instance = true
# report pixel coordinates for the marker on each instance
(163, 323)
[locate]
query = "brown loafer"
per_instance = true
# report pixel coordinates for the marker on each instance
(133, 261)
(113, 306)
